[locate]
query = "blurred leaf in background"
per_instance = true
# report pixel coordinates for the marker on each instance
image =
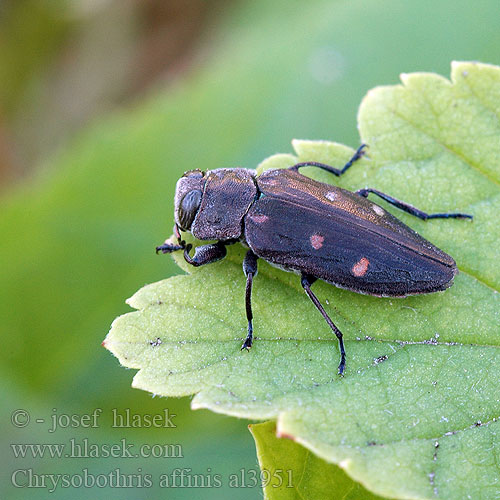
(78, 236)
(281, 458)
(66, 62)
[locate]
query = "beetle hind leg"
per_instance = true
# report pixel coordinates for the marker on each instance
(306, 282)
(406, 207)
(250, 270)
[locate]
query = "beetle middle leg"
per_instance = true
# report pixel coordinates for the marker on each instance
(250, 270)
(306, 282)
(335, 171)
(409, 208)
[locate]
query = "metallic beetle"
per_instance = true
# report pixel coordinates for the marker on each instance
(314, 229)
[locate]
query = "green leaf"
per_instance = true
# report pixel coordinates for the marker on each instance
(290, 471)
(416, 414)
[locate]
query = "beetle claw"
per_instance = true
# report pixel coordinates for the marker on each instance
(246, 345)
(341, 367)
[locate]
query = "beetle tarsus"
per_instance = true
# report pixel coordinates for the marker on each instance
(249, 340)
(168, 248)
(187, 257)
(361, 151)
(450, 216)
(335, 171)
(306, 282)
(342, 364)
(406, 207)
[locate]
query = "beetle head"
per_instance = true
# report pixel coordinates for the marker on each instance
(188, 194)
(211, 205)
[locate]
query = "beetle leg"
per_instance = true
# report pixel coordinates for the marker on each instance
(250, 270)
(169, 247)
(409, 208)
(306, 282)
(206, 254)
(336, 171)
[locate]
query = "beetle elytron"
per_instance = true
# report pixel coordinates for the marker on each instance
(314, 229)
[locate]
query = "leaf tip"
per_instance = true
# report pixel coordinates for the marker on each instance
(281, 433)
(345, 464)
(404, 78)
(197, 403)
(130, 301)
(462, 69)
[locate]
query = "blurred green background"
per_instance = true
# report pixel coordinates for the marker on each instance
(103, 105)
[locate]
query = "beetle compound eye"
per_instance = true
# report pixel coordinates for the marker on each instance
(188, 208)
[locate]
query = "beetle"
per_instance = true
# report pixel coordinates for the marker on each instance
(311, 228)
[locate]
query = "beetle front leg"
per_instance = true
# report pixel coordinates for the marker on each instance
(306, 282)
(205, 254)
(250, 270)
(169, 247)
(406, 207)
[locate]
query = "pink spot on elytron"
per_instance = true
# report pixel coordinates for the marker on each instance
(259, 218)
(359, 269)
(317, 241)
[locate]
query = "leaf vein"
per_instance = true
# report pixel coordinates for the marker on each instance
(446, 147)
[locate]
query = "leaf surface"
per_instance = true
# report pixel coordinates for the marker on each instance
(416, 414)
